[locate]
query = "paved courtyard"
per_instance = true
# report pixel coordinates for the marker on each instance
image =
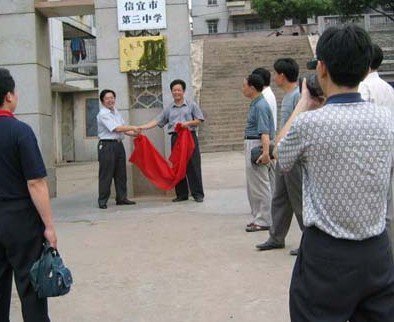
(165, 262)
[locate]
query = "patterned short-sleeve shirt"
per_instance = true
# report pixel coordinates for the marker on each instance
(346, 149)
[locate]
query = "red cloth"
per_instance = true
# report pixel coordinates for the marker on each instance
(6, 113)
(162, 173)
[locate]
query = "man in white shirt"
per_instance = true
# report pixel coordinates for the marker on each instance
(111, 154)
(267, 91)
(374, 89)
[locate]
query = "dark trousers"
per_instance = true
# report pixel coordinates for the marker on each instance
(193, 178)
(21, 240)
(337, 280)
(112, 164)
(286, 200)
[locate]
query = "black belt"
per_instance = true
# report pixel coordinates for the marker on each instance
(173, 133)
(108, 140)
(249, 137)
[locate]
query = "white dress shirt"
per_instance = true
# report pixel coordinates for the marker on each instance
(271, 100)
(375, 90)
(107, 121)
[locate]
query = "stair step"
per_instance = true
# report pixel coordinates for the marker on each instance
(226, 62)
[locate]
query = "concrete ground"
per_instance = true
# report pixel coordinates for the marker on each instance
(163, 262)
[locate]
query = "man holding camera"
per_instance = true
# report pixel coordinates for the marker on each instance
(344, 270)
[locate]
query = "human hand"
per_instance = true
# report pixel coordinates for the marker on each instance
(185, 125)
(308, 102)
(132, 133)
(263, 159)
(50, 236)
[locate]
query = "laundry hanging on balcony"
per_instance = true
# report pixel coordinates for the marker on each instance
(78, 49)
(164, 174)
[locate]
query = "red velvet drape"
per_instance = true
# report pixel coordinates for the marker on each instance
(162, 173)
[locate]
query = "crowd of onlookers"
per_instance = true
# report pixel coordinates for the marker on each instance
(332, 166)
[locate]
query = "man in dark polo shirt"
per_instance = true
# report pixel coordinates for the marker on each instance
(25, 210)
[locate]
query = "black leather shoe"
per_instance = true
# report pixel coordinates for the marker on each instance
(125, 202)
(199, 199)
(178, 199)
(268, 245)
(294, 252)
(103, 206)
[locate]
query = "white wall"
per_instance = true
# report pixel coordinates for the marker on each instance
(201, 12)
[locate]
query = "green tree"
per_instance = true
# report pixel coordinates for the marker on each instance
(352, 7)
(278, 10)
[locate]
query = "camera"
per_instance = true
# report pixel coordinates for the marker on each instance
(312, 83)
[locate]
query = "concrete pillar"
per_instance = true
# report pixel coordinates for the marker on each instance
(24, 50)
(178, 46)
(109, 75)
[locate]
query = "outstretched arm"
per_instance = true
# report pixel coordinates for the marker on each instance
(148, 125)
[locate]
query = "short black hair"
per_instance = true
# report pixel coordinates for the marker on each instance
(105, 92)
(287, 67)
(377, 56)
(256, 81)
(7, 84)
(264, 74)
(346, 52)
(178, 82)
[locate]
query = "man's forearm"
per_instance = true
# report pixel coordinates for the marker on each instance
(125, 128)
(148, 125)
(300, 107)
(192, 123)
(265, 142)
(39, 193)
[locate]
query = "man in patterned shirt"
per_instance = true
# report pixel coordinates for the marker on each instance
(344, 270)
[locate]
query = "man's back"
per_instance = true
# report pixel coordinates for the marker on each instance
(288, 104)
(345, 149)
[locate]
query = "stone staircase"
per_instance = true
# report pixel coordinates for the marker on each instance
(226, 62)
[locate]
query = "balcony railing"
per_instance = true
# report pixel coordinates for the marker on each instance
(240, 8)
(82, 64)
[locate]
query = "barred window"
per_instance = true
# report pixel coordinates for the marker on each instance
(212, 26)
(145, 89)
